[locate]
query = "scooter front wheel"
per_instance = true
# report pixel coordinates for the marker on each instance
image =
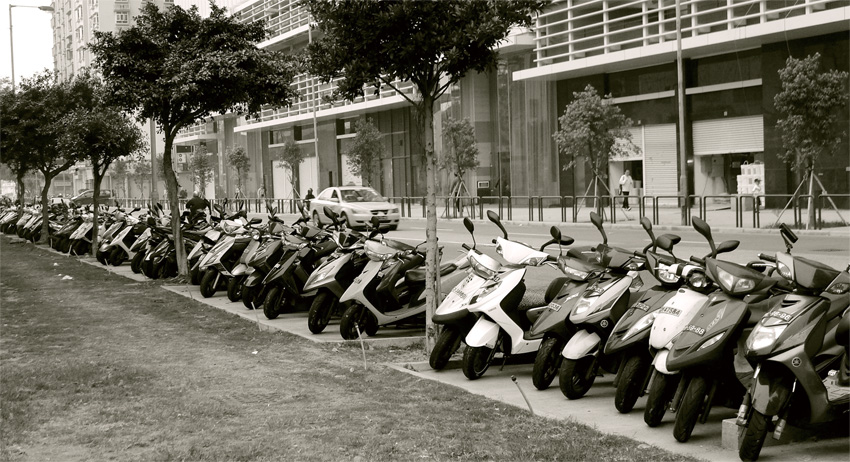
(577, 376)
(753, 438)
(547, 363)
(321, 311)
(476, 361)
(116, 256)
(208, 283)
(447, 343)
(234, 288)
(271, 306)
(194, 274)
(101, 257)
(357, 317)
(630, 383)
(690, 409)
(136, 262)
(248, 297)
(661, 390)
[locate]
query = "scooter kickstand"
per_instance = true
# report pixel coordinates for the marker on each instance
(504, 360)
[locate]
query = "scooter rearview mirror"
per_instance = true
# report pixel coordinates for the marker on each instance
(494, 217)
(597, 221)
(728, 246)
(702, 227)
(467, 223)
(376, 222)
(666, 242)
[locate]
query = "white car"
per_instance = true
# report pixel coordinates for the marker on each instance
(355, 205)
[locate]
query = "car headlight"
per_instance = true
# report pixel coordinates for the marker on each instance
(711, 341)
(394, 210)
(764, 336)
(642, 324)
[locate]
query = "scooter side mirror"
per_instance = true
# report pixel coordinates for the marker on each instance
(702, 227)
(556, 233)
(467, 223)
(494, 217)
(597, 221)
(728, 246)
(255, 221)
(788, 236)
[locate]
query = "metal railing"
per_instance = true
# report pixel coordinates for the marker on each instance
(739, 211)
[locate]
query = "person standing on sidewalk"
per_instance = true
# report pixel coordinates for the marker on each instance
(756, 193)
(626, 184)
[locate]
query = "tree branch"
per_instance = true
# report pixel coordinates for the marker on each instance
(389, 84)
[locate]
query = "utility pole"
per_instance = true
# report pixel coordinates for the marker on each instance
(683, 157)
(154, 195)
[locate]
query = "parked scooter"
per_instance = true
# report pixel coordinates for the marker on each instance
(218, 263)
(268, 255)
(795, 350)
(596, 312)
(335, 275)
(706, 349)
(502, 326)
(390, 290)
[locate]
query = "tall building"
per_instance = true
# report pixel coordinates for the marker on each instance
(732, 51)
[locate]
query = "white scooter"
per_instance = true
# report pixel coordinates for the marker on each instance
(370, 307)
(502, 325)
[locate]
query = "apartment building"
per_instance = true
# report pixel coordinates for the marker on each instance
(732, 50)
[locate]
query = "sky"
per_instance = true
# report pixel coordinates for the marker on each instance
(33, 39)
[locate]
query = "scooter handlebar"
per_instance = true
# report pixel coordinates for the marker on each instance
(766, 257)
(698, 260)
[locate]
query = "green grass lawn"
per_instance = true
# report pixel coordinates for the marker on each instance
(100, 367)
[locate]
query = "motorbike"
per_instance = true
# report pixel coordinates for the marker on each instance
(335, 275)
(217, 265)
(794, 349)
(266, 257)
(391, 287)
(503, 324)
(595, 313)
(706, 351)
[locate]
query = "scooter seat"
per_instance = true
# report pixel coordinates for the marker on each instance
(418, 275)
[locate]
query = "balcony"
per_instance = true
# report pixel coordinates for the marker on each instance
(281, 16)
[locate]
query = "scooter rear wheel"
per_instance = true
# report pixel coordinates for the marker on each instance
(447, 343)
(321, 311)
(577, 376)
(547, 363)
(208, 283)
(753, 438)
(689, 411)
(631, 382)
(476, 361)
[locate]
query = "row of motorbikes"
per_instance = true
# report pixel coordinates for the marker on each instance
(769, 338)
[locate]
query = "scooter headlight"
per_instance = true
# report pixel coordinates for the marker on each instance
(578, 274)
(784, 271)
(255, 235)
(534, 261)
(642, 324)
(582, 306)
(698, 280)
(666, 276)
(634, 265)
(376, 256)
(838, 288)
(711, 341)
(764, 336)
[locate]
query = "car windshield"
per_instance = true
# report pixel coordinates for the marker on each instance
(360, 195)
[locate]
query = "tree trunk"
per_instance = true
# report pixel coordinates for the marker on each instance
(811, 201)
(432, 298)
(21, 187)
(98, 179)
(45, 209)
(173, 203)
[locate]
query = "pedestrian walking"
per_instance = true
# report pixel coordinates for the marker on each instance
(756, 193)
(626, 184)
(308, 197)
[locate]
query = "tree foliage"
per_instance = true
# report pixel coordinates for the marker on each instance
(430, 44)
(809, 105)
(177, 68)
(238, 159)
(592, 129)
(290, 156)
(366, 151)
(202, 168)
(140, 173)
(120, 172)
(98, 133)
(14, 153)
(460, 153)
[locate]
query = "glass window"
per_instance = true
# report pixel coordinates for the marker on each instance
(334, 195)
(122, 18)
(735, 67)
(360, 195)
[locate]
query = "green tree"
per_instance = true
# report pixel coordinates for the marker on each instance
(120, 172)
(141, 174)
(238, 159)
(593, 130)
(460, 153)
(178, 68)
(98, 133)
(809, 106)
(14, 152)
(44, 102)
(202, 168)
(366, 151)
(290, 156)
(430, 44)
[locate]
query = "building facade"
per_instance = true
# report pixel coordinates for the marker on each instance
(731, 51)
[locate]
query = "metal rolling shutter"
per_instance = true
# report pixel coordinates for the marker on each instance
(659, 165)
(729, 135)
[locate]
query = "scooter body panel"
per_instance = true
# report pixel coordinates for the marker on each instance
(720, 317)
(635, 325)
(676, 313)
(325, 275)
(555, 316)
(595, 303)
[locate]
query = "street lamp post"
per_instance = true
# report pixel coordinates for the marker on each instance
(48, 9)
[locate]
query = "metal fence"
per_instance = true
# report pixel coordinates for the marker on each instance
(739, 211)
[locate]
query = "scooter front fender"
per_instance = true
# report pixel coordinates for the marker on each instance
(254, 279)
(484, 333)
(770, 390)
(241, 269)
(660, 362)
(583, 343)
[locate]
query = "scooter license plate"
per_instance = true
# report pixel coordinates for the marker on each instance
(554, 306)
(459, 292)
